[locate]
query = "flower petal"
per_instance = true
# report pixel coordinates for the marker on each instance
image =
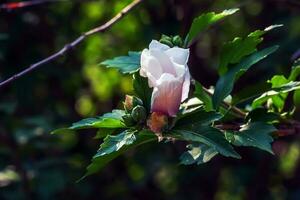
(157, 45)
(164, 61)
(178, 55)
(150, 67)
(186, 85)
(166, 96)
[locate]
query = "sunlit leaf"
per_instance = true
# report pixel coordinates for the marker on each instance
(198, 153)
(205, 20)
(125, 64)
(108, 120)
(209, 136)
(288, 87)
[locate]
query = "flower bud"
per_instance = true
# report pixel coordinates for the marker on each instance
(128, 120)
(177, 41)
(130, 102)
(157, 122)
(139, 114)
(166, 40)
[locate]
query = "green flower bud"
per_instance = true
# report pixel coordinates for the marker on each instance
(163, 36)
(139, 114)
(166, 42)
(177, 41)
(128, 120)
(130, 102)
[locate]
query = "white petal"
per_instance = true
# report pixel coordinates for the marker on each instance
(157, 45)
(179, 69)
(186, 85)
(164, 61)
(150, 67)
(178, 55)
(166, 96)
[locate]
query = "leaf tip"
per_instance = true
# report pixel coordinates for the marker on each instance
(230, 11)
(273, 27)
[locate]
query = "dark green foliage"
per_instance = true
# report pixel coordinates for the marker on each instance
(225, 83)
(204, 21)
(256, 134)
(233, 51)
(142, 90)
(114, 146)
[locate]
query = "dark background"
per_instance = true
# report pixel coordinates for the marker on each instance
(37, 165)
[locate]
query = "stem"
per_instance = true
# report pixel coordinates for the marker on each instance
(227, 106)
(71, 45)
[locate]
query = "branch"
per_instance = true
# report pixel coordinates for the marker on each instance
(71, 45)
(235, 109)
(15, 5)
(290, 127)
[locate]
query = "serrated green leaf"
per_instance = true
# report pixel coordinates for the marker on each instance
(225, 83)
(108, 120)
(101, 160)
(210, 136)
(198, 118)
(203, 96)
(205, 20)
(286, 88)
(125, 64)
(262, 115)
(198, 153)
(142, 90)
(103, 132)
(256, 134)
(113, 143)
(232, 52)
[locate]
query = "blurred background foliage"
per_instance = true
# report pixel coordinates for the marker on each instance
(37, 165)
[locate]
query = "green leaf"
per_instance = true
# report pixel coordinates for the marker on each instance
(198, 153)
(256, 134)
(210, 136)
(103, 132)
(225, 83)
(113, 143)
(232, 52)
(203, 96)
(125, 64)
(142, 90)
(108, 120)
(286, 88)
(198, 118)
(262, 114)
(102, 158)
(204, 21)
(294, 73)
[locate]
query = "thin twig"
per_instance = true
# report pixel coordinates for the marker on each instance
(287, 128)
(235, 109)
(74, 43)
(21, 4)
